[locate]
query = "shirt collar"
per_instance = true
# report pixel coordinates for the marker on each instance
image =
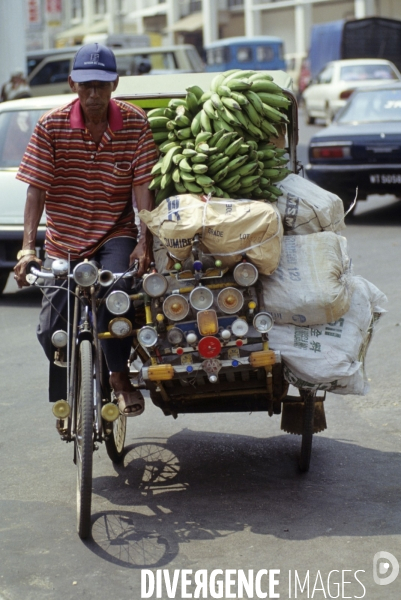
(114, 115)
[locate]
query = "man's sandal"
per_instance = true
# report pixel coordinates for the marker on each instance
(130, 404)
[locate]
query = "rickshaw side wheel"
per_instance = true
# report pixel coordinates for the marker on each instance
(307, 429)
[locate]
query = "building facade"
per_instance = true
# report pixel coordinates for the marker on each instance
(65, 22)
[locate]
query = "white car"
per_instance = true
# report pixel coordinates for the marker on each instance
(335, 83)
(17, 121)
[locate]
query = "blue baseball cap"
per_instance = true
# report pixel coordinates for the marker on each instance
(94, 62)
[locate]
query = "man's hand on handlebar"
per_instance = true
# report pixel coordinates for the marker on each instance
(20, 269)
(143, 253)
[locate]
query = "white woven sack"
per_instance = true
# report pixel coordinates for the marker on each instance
(331, 356)
(307, 208)
(175, 222)
(311, 284)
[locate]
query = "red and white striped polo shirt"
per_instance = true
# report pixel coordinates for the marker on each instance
(88, 188)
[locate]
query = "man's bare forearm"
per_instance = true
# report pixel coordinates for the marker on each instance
(145, 200)
(34, 206)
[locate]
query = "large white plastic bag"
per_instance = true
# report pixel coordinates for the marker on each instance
(312, 282)
(307, 208)
(331, 356)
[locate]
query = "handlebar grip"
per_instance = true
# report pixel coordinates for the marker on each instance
(33, 264)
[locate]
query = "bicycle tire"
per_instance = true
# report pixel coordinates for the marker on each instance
(307, 431)
(84, 438)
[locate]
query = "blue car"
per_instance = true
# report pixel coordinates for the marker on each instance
(362, 147)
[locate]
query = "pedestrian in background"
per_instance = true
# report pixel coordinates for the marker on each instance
(16, 88)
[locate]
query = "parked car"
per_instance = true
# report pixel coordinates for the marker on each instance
(17, 121)
(362, 147)
(50, 75)
(336, 82)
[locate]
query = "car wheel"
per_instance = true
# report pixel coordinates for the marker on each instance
(3, 279)
(309, 120)
(328, 116)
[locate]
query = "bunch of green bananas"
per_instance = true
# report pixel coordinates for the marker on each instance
(217, 142)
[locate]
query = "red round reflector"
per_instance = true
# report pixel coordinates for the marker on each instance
(209, 347)
(239, 343)
(180, 351)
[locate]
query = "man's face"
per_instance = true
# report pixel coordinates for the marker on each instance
(94, 96)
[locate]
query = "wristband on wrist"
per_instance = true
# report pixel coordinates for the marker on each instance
(22, 253)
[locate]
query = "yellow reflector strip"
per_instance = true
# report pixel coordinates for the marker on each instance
(160, 372)
(264, 358)
(207, 322)
(252, 305)
(149, 102)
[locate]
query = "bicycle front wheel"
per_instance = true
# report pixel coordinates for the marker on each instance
(84, 438)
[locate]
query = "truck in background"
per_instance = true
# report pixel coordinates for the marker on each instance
(371, 37)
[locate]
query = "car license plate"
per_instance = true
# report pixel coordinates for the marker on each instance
(385, 179)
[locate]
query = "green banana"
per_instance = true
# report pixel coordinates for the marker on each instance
(233, 188)
(266, 154)
(233, 147)
(223, 90)
(255, 131)
(255, 101)
(192, 102)
(272, 189)
(168, 159)
(176, 175)
(239, 74)
(204, 180)
(217, 81)
(209, 109)
(169, 112)
(205, 121)
(156, 112)
(230, 103)
(171, 136)
(221, 175)
(200, 169)
(259, 75)
(273, 114)
(189, 152)
(240, 98)
(185, 176)
(216, 137)
(218, 165)
(199, 158)
(184, 133)
(196, 90)
(268, 128)
(263, 85)
(203, 136)
(182, 121)
(216, 101)
(283, 173)
(160, 136)
(243, 149)
(155, 183)
(270, 173)
(239, 85)
(252, 113)
(222, 124)
(184, 165)
(203, 148)
(238, 161)
(249, 180)
(165, 180)
(167, 145)
(275, 100)
(188, 143)
(229, 182)
(205, 96)
(170, 125)
(229, 117)
(246, 169)
(181, 189)
(192, 187)
(157, 122)
(157, 168)
(196, 124)
(174, 102)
